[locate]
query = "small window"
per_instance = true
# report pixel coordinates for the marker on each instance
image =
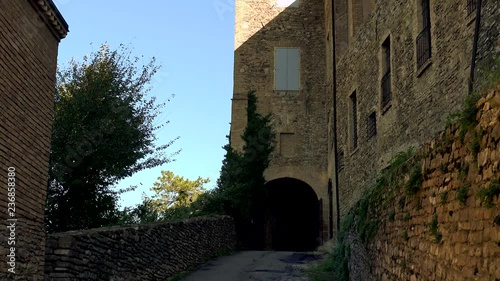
(424, 37)
(471, 7)
(386, 71)
(354, 121)
(287, 69)
(372, 125)
(287, 3)
(340, 159)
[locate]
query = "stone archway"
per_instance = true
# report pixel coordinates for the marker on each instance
(294, 216)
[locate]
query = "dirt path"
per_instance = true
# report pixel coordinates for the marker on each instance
(255, 266)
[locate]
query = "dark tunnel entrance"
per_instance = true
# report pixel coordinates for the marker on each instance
(294, 215)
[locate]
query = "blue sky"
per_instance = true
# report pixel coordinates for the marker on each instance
(193, 41)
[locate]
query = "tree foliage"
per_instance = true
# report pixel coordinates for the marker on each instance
(173, 191)
(175, 198)
(103, 131)
(142, 213)
(240, 188)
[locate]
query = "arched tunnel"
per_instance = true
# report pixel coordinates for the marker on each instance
(294, 217)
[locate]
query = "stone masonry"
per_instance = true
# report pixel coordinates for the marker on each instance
(466, 241)
(299, 117)
(30, 32)
(422, 97)
(155, 251)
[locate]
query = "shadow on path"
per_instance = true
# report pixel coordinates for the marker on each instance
(256, 266)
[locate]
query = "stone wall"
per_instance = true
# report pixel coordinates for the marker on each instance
(422, 97)
(29, 35)
(489, 39)
(299, 117)
(464, 243)
(141, 252)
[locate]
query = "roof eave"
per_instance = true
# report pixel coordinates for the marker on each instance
(52, 17)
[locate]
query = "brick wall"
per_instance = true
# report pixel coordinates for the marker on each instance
(299, 117)
(28, 54)
(405, 248)
(142, 252)
(422, 97)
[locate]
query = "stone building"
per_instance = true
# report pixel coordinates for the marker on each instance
(280, 53)
(400, 68)
(30, 32)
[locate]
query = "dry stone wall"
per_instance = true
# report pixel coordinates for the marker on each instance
(448, 229)
(141, 252)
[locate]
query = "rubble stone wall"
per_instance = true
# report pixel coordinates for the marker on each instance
(141, 252)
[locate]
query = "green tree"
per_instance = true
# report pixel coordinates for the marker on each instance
(142, 213)
(173, 191)
(240, 188)
(175, 198)
(103, 131)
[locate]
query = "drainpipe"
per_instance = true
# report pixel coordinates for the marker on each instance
(335, 145)
(474, 47)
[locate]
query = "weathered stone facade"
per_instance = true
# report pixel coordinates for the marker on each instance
(371, 38)
(422, 97)
(142, 252)
(299, 117)
(30, 32)
(466, 241)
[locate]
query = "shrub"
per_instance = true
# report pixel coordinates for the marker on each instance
(486, 195)
(415, 181)
(475, 144)
(464, 169)
(433, 226)
(462, 194)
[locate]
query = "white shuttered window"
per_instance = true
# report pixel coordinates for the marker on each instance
(287, 69)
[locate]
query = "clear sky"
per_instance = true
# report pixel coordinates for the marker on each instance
(193, 41)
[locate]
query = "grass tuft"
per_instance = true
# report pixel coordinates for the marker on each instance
(463, 194)
(415, 181)
(433, 227)
(444, 197)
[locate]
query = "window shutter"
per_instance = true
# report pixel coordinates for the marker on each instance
(280, 69)
(293, 75)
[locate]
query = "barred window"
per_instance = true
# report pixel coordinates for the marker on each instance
(424, 38)
(471, 6)
(354, 121)
(340, 159)
(386, 70)
(372, 125)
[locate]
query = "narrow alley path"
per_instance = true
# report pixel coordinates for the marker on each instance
(255, 266)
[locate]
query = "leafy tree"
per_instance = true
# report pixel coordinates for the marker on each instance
(103, 131)
(142, 213)
(172, 191)
(240, 188)
(175, 198)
